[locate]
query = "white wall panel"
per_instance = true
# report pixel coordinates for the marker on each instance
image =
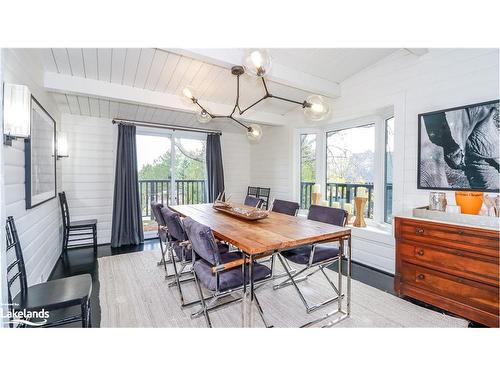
(40, 227)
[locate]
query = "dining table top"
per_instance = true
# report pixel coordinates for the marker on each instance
(273, 233)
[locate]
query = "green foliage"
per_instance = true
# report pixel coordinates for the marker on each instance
(189, 165)
(308, 158)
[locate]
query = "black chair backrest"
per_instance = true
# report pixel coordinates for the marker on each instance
(203, 241)
(253, 191)
(260, 192)
(285, 207)
(174, 225)
(64, 209)
(18, 272)
(264, 194)
(329, 215)
(156, 210)
(253, 201)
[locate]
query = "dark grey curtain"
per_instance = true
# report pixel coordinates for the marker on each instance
(127, 218)
(215, 170)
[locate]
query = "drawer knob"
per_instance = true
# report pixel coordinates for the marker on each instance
(420, 252)
(421, 276)
(419, 230)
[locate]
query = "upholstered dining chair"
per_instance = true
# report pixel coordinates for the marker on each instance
(253, 201)
(162, 232)
(49, 296)
(220, 273)
(285, 207)
(76, 233)
(180, 251)
(317, 256)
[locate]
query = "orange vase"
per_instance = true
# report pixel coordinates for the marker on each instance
(470, 202)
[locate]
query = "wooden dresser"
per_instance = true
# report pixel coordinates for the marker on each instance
(450, 266)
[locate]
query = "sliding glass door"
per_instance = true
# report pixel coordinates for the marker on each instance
(171, 171)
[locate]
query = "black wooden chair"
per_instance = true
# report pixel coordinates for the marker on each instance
(49, 296)
(260, 192)
(76, 234)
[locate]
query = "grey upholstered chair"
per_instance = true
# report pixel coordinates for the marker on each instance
(180, 252)
(253, 201)
(316, 255)
(285, 207)
(162, 231)
(220, 273)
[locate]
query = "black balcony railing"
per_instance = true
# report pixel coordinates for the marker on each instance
(185, 192)
(341, 193)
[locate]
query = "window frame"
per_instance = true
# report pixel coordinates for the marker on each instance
(385, 170)
(374, 157)
(378, 120)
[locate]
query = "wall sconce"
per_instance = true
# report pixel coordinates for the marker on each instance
(62, 145)
(16, 112)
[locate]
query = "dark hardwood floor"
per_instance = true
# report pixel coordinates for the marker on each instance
(81, 261)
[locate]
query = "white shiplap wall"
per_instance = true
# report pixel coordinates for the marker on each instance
(40, 227)
(88, 173)
(3, 262)
(271, 162)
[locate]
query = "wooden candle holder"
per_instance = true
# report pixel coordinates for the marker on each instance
(360, 203)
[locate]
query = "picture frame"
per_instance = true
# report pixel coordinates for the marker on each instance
(40, 157)
(458, 148)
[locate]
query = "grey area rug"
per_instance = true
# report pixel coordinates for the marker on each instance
(134, 293)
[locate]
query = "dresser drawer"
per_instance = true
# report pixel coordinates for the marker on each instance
(481, 296)
(476, 240)
(462, 263)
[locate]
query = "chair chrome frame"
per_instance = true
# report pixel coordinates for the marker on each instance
(207, 304)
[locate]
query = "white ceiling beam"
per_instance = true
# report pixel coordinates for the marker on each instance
(228, 57)
(67, 84)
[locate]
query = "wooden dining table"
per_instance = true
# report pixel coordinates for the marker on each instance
(277, 232)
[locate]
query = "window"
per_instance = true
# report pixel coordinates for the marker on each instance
(171, 171)
(389, 150)
(350, 162)
(307, 168)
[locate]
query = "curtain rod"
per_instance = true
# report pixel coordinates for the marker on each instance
(164, 126)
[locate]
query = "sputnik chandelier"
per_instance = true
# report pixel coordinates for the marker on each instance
(257, 63)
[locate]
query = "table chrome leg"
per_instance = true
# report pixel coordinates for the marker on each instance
(349, 258)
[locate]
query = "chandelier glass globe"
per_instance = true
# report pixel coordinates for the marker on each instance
(189, 95)
(203, 117)
(316, 108)
(254, 133)
(257, 62)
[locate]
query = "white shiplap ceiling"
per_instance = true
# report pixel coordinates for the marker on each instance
(333, 64)
(86, 106)
(169, 72)
(162, 71)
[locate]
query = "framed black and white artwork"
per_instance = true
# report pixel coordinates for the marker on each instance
(458, 148)
(40, 159)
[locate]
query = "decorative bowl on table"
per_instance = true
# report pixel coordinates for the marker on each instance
(246, 213)
(221, 204)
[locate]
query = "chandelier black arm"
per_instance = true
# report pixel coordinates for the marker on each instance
(251, 105)
(237, 103)
(239, 122)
